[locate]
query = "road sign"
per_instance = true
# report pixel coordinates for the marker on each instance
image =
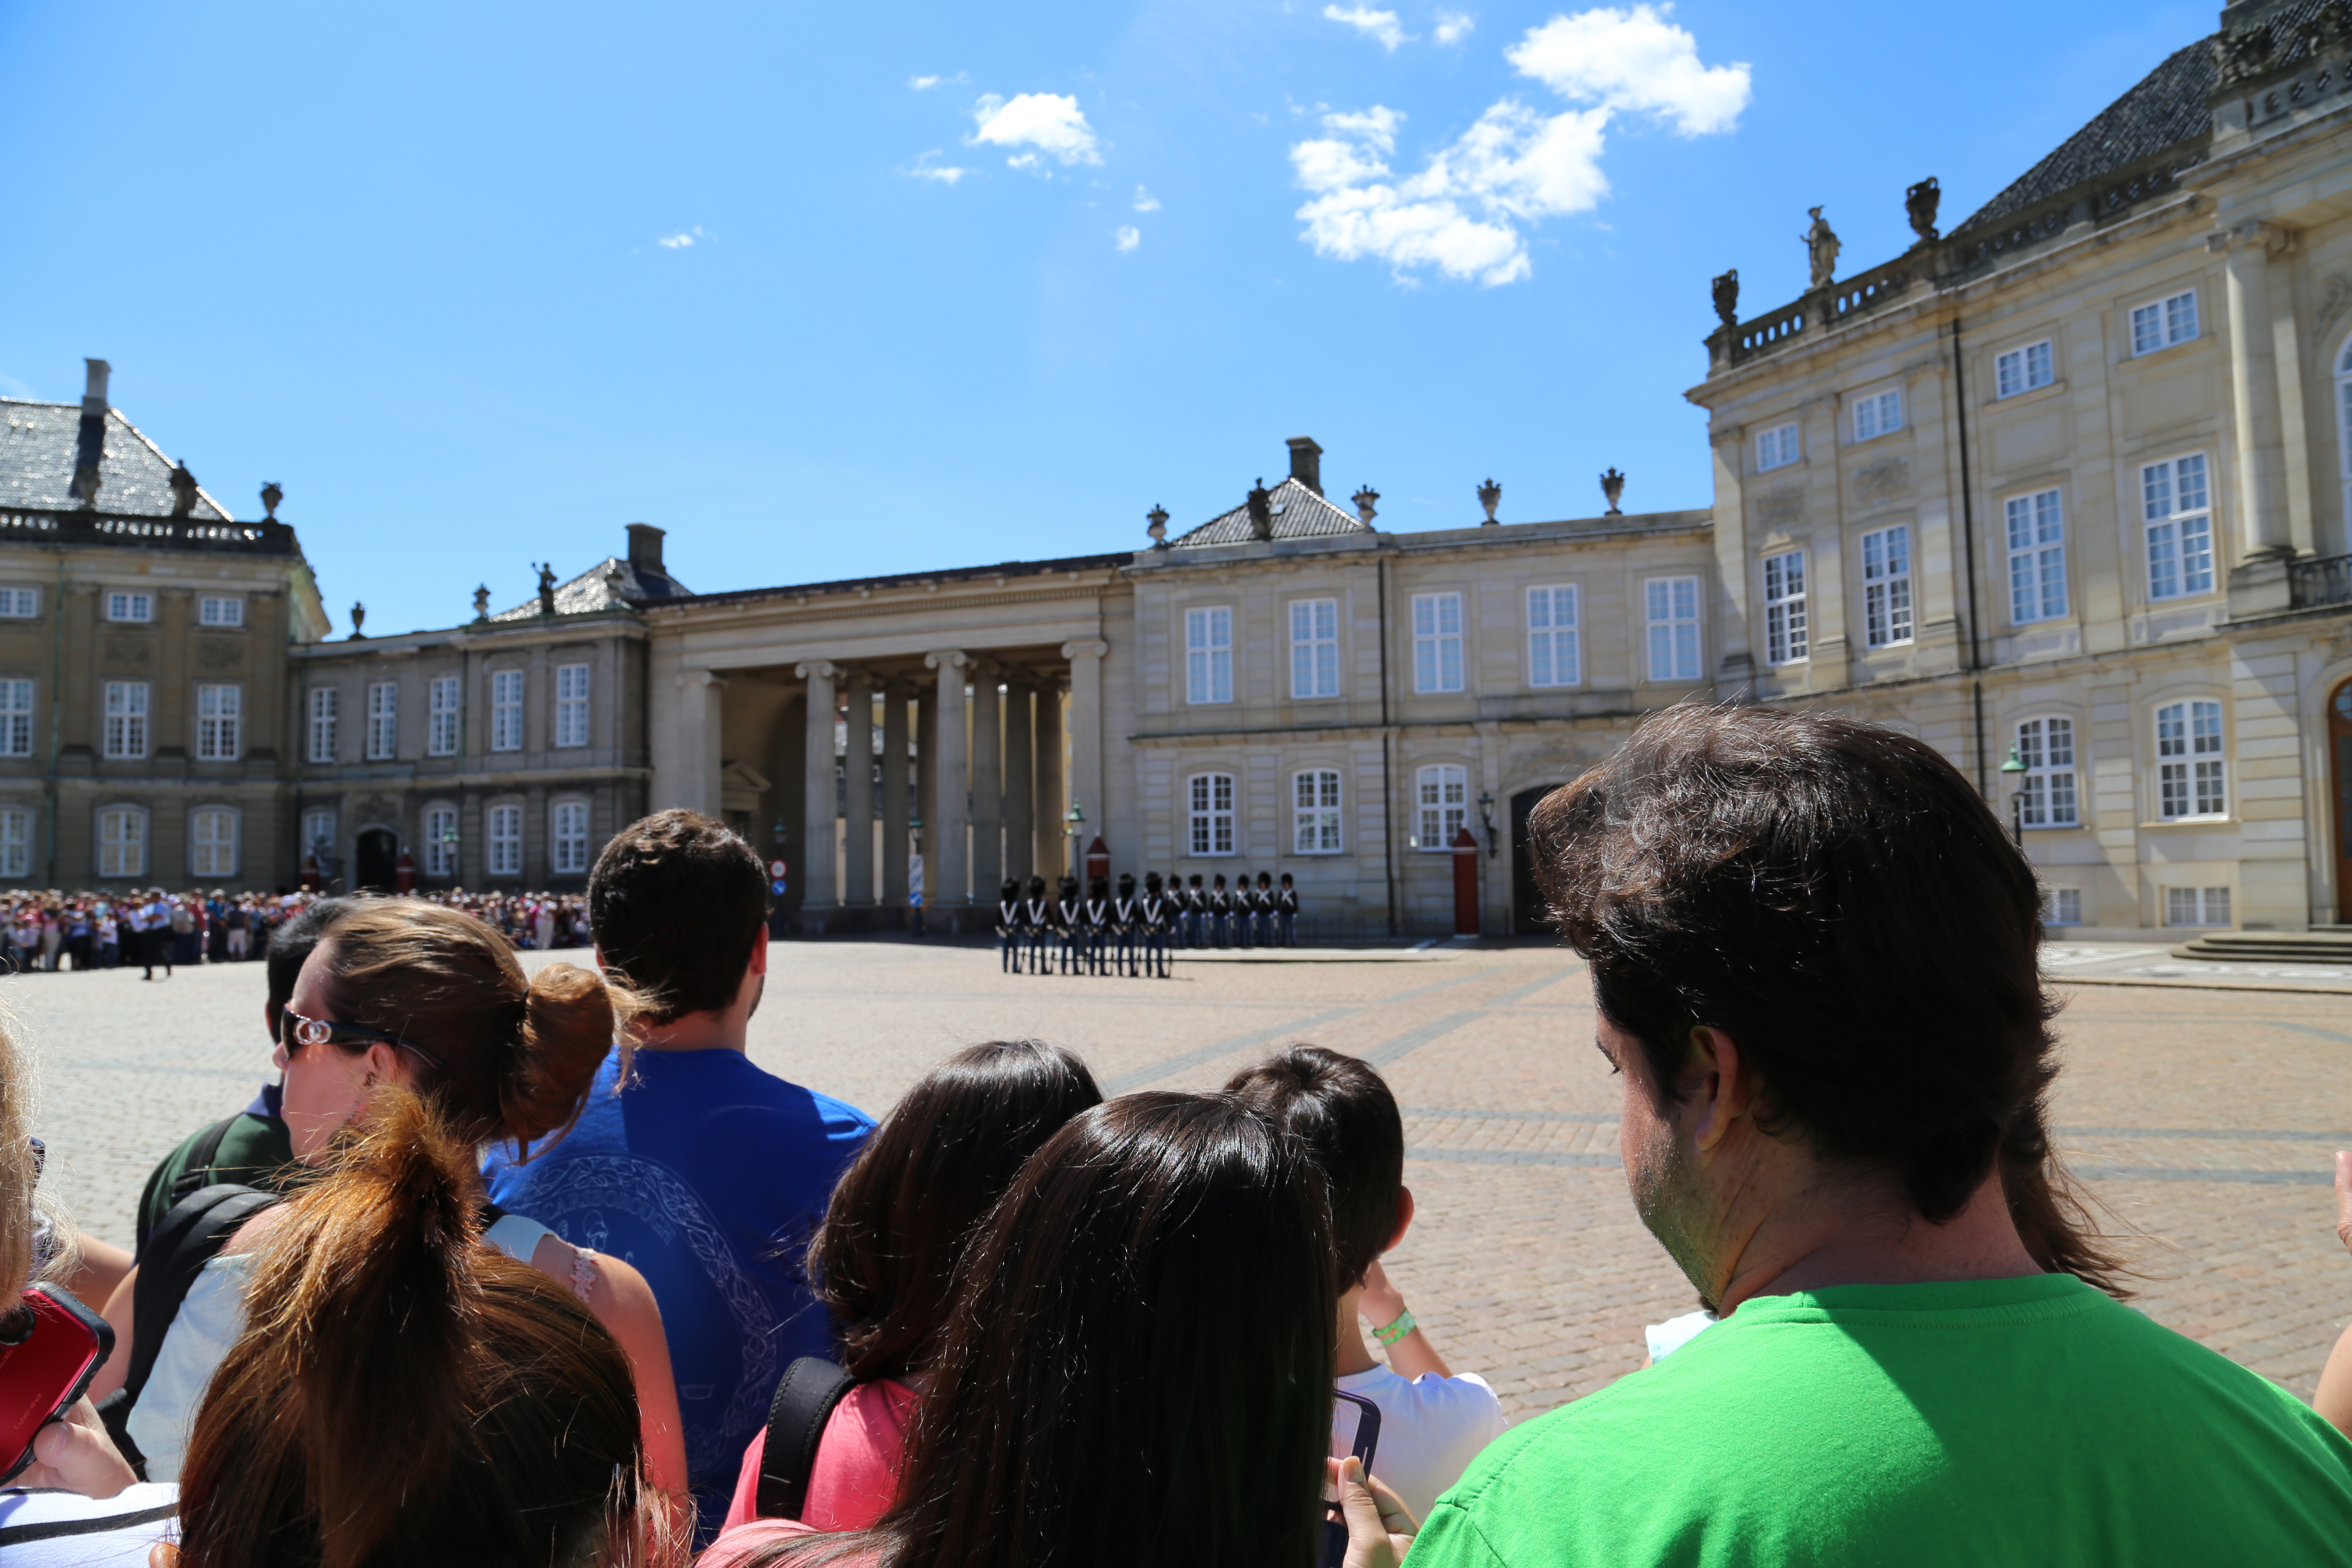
(776, 870)
(777, 887)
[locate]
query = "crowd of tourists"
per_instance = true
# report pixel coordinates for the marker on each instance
(539, 1268)
(1131, 932)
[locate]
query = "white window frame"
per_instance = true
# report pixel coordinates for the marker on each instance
(445, 699)
(2034, 534)
(1313, 650)
(2177, 522)
(220, 722)
(121, 841)
(1437, 643)
(1317, 813)
(1555, 635)
(383, 721)
(505, 709)
(567, 838)
(1208, 816)
(318, 827)
(15, 841)
(325, 719)
(131, 606)
(1676, 650)
(440, 853)
(2049, 793)
(2162, 323)
(2029, 367)
(2062, 907)
(1886, 617)
(2197, 906)
(1441, 805)
(505, 836)
(1877, 414)
(213, 855)
(572, 688)
(1208, 655)
(2192, 772)
(16, 713)
(1786, 638)
(20, 603)
(127, 704)
(1779, 448)
(220, 610)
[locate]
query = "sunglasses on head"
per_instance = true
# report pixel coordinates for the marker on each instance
(295, 1031)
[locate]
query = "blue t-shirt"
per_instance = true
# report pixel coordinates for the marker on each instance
(708, 1175)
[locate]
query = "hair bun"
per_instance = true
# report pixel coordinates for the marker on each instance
(571, 1019)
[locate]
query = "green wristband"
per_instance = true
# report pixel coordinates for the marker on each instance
(1398, 1329)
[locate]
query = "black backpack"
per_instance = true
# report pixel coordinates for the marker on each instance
(804, 1402)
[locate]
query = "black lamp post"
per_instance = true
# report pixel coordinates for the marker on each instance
(1487, 818)
(2009, 770)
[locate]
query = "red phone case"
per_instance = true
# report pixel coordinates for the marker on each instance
(42, 1375)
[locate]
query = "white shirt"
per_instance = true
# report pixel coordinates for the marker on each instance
(48, 1528)
(1431, 1428)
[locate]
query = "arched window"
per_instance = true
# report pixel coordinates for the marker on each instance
(123, 841)
(440, 839)
(1315, 812)
(2189, 770)
(2046, 793)
(212, 841)
(567, 834)
(1210, 800)
(1442, 793)
(506, 841)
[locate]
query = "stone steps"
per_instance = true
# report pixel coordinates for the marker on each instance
(2320, 945)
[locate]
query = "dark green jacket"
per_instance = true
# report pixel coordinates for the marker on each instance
(251, 1148)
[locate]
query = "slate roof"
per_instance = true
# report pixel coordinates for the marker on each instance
(37, 464)
(2165, 108)
(1298, 513)
(612, 582)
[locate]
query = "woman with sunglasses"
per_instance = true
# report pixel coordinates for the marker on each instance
(432, 1000)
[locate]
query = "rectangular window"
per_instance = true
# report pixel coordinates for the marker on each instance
(1555, 656)
(568, 835)
(1211, 813)
(16, 842)
(1777, 448)
(506, 841)
(571, 705)
(441, 734)
(1442, 796)
(2063, 907)
(121, 842)
(19, 604)
(212, 848)
(1315, 812)
(441, 841)
(325, 700)
(220, 721)
(129, 606)
(221, 610)
(126, 719)
(1886, 586)
(2188, 767)
(2037, 558)
(2046, 793)
(1313, 649)
(506, 711)
(1437, 642)
(2196, 906)
(15, 718)
(1209, 655)
(1671, 605)
(384, 721)
(2164, 322)
(319, 834)
(1881, 413)
(1784, 608)
(2178, 509)
(2023, 370)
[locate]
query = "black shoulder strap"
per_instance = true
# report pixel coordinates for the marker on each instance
(804, 1403)
(202, 1157)
(187, 1239)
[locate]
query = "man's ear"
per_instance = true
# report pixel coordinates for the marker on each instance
(1719, 1085)
(1404, 1219)
(760, 952)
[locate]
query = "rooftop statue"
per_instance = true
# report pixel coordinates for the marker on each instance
(1821, 246)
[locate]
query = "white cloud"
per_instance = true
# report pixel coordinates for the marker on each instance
(923, 83)
(1050, 122)
(1453, 27)
(924, 169)
(1129, 238)
(681, 239)
(1634, 60)
(1381, 27)
(1145, 202)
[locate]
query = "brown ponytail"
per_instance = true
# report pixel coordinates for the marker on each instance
(404, 1394)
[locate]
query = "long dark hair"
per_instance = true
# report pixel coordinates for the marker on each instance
(885, 1258)
(1137, 1369)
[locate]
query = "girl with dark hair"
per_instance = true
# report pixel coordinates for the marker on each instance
(884, 1261)
(1136, 1369)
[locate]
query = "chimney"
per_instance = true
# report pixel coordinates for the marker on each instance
(1261, 512)
(645, 549)
(90, 441)
(1306, 462)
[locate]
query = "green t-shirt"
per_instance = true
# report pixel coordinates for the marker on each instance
(1988, 1421)
(250, 1149)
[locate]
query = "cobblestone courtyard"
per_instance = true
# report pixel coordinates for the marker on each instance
(2203, 1120)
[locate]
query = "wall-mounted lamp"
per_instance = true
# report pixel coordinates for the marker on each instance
(1486, 818)
(2009, 769)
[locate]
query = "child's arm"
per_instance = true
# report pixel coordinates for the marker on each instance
(1412, 1355)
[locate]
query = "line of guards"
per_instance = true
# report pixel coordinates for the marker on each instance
(1130, 934)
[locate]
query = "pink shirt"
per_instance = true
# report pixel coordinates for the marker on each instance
(856, 1478)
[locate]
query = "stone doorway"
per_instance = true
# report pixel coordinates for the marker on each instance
(373, 867)
(1527, 900)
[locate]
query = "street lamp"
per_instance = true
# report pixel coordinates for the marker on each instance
(1487, 819)
(2015, 765)
(1073, 822)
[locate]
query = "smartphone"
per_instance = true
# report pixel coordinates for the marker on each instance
(1356, 1427)
(49, 1353)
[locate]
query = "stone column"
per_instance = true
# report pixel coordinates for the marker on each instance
(2253, 388)
(699, 707)
(987, 784)
(1086, 658)
(857, 810)
(949, 879)
(1051, 800)
(892, 893)
(1020, 780)
(819, 890)
(927, 785)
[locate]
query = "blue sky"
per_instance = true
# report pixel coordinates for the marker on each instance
(835, 290)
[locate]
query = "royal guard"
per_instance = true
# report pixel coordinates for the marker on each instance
(1124, 918)
(1070, 919)
(1008, 928)
(1157, 918)
(1037, 925)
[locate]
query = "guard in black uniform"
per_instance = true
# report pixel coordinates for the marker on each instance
(1071, 917)
(1262, 909)
(1158, 916)
(1124, 921)
(1196, 914)
(1244, 936)
(1008, 928)
(1221, 914)
(1285, 907)
(1099, 926)
(1037, 927)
